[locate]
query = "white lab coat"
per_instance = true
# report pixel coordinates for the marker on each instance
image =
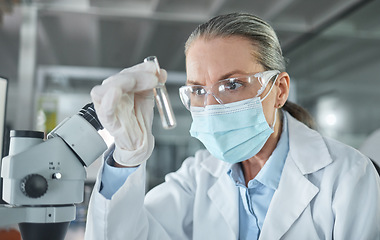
(327, 191)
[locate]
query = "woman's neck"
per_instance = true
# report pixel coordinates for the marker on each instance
(252, 166)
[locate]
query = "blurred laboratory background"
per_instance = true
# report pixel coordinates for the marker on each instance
(54, 51)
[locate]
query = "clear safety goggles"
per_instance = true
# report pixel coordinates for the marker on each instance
(226, 90)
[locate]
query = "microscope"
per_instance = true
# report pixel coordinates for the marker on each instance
(44, 179)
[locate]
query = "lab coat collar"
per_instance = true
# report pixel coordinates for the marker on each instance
(215, 166)
(307, 147)
(308, 153)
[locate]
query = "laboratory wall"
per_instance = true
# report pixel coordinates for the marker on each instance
(54, 52)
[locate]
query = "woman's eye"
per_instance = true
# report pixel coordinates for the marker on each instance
(198, 91)
(232, 85)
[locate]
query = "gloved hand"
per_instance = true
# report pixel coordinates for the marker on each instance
(124, 105)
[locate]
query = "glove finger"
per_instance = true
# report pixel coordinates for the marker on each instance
(141, 67)
(128, 82)
(148, 93)
(162, 76)
(96, 98)
(107, 109)
(146, 67)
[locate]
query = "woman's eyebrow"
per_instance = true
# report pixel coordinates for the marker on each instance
(224, 76)
(192, 82)
(229, 74)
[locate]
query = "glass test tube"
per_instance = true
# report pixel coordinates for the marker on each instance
(162, 100)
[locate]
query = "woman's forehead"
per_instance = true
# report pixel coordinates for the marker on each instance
(213, 58)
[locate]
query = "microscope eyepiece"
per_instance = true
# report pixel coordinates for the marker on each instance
(88, 113)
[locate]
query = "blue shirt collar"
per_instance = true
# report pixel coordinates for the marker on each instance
(270, 174)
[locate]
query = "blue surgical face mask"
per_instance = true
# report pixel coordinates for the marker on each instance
(232, 132)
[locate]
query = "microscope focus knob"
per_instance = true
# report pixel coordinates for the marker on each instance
(34, 185)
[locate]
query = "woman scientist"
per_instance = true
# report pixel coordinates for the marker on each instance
(264, 175)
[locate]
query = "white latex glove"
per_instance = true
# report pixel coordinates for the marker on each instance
(124, 105)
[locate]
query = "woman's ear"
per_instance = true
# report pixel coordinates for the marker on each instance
(282, 83)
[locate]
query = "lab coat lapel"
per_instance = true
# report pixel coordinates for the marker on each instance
(307, 153)
(293, 195)
(223, 194)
